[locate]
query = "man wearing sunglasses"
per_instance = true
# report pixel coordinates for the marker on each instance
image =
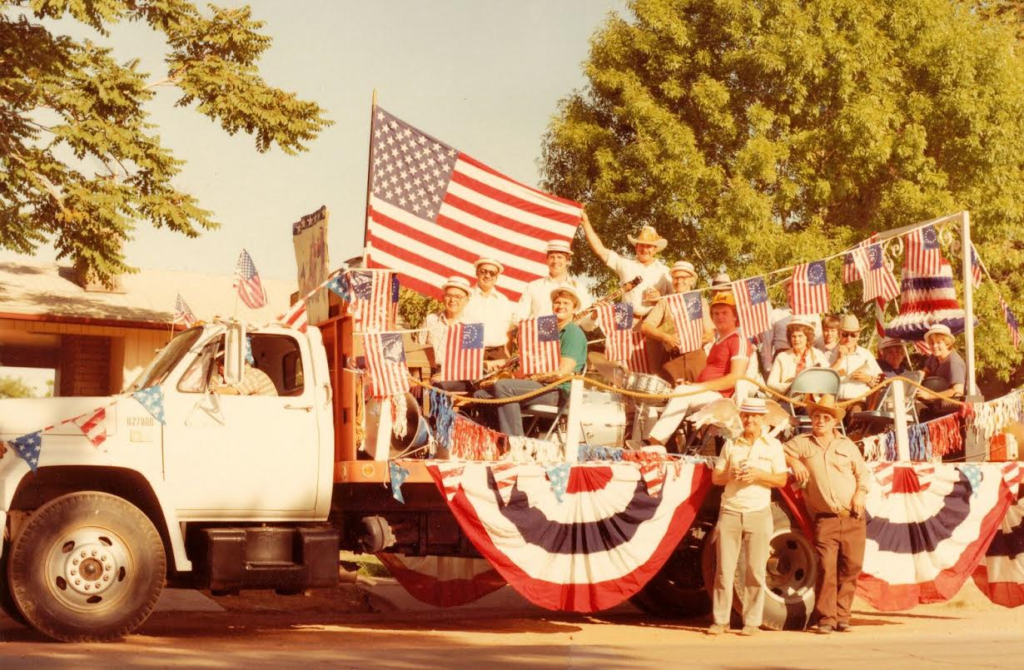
(856, 366)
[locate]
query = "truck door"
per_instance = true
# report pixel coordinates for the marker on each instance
(245, 450)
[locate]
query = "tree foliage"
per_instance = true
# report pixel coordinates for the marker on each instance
(15, 387)
(68, 109)
(755, 134)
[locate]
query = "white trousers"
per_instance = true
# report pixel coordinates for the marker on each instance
(678, 409)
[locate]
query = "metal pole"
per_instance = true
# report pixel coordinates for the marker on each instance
(965, 243)
(899, 411)
(572, 427)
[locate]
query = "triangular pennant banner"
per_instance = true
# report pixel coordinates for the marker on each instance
(653, 473)
(28, 447)
(398, 477)
(558, 475)
(451, 476)
(152, 399)
(93, 425)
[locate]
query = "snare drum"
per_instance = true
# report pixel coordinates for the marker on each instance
(643, 383)
(602, 419)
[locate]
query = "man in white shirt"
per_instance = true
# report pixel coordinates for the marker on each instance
(490, 307)
(856, 366)
(654, 274)
(536, 299)
(749, 467)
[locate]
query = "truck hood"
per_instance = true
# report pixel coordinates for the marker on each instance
(19, 416)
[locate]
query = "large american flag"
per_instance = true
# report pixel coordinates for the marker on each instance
(752, 305)
(385, 364)
(463, 357)
(184, 313)
(539, 348)
(808, 293)
(434, 210)
(621, 343)
(1011, 322)
(374, 295)
(879, 281)
(687, 312)
(923, 254)
(247, 281)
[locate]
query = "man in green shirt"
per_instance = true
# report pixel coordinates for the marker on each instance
(573, 350)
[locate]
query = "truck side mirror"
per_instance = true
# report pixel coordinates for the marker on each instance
(234, 353)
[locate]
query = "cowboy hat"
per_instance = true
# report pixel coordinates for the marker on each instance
(849, 324)
(827, 404)
(648, 235)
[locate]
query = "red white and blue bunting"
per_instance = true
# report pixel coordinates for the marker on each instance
(443, 581)
(591, 550)
(929, 525)
(1001, 575)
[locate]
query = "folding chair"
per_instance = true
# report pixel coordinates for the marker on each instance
(817, 381)
(554, 413)
(884, 416)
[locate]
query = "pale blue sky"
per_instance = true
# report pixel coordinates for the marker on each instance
(482, 75)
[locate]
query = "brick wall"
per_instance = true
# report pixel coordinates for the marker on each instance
(84, 365)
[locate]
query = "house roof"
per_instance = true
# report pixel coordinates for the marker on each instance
(41, 289)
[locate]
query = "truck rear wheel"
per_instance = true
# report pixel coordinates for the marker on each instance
(87, 567)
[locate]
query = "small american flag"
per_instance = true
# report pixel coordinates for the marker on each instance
(923, 348)
(923, 252)
(1011, 322)
(247, 281)
(809, 290)
(687, 311)
(374, 296)
(183, 313)
(752, 305)
(539, 348)
(433, 210)
(463, 357)
(879, 281)
(385, 364)
(880, 316)
(622, 343)
(853, 263)
(93, 425)
(975, 267)
(295, 317)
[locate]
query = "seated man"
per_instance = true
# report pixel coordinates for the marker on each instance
(573, 348)
(892, 357)
(857, 368)
(254, 382)
(727, 362)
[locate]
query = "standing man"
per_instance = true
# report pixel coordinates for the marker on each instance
(573, 358)
(837, 487)
(536, 299)
(659, 325)
(749, 467)
(490, 307)
(654, 273)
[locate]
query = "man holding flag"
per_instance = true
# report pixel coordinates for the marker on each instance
(686, 353)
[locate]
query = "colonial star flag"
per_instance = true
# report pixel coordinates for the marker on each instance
(808, 293)
(539, 348)
(433, 210)
(295, 317)
(687, 311)
(923, 254)
(879, 281)
(385, 364)
(183, 313)
(752, 305)
(463, 357)
(622, 343)
(374, 299)
(247, 282)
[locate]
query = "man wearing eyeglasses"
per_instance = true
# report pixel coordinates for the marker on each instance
(856, 366)
(487, 305)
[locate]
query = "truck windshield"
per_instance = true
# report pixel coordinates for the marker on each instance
(168, 357)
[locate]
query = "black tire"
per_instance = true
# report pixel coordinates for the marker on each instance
(7, 604)
(88, 567)
(677, 591)
(789, 579)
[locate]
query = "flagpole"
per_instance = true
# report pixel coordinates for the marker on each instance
(369, 178)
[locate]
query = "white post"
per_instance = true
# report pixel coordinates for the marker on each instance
(572, 421)
(899, 411)
(965, 239)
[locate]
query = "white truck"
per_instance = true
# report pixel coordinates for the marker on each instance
(237, 492)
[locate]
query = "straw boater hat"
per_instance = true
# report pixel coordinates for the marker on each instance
(939, 329)
(754, 406)
(648, 235)
(827, 404)
(571, 290)
(488, 261)
(887, 342)
(559, 246)
(683, 267)
(456, 282)
(721, 282)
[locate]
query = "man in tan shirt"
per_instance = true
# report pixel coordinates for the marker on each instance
(837, 486)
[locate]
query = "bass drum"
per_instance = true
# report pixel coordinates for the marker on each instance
(603, 419)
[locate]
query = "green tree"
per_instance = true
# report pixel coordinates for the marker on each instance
(755, 134)
(67, 106)
(15, 387)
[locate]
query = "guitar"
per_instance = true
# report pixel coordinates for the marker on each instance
(609, 297)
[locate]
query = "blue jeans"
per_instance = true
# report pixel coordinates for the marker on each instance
(510, 416)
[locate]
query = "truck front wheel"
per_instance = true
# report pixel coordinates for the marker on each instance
(87, 567)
